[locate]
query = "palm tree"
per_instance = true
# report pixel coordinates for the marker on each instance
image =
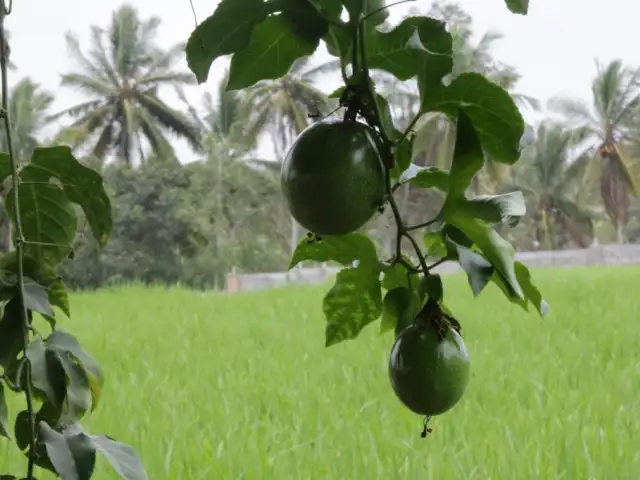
(122, 75)
(551, 183)
(281, 108)
(28, 106)
(611, 123)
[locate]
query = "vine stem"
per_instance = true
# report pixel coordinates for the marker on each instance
(26, 327)
(402, 230)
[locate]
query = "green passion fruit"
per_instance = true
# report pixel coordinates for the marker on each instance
(333, 177)
(429, 368)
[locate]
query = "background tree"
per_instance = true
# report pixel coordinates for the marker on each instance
(122, 75)
(610, 123)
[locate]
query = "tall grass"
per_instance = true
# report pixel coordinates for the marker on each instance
(213, 386)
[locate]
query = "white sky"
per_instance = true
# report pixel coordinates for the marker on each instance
(553, 47)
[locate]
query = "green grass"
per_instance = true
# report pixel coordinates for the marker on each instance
(209, 386)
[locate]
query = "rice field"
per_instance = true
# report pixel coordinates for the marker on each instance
(214, 386)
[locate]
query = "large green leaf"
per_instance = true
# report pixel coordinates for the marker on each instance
(495, 116)
(4, 413)
(270, 54)
(506, 208)
(121, 457)
(5, 166)
(426, 177)
(352, 303)
(225, 32)
(49, 222)
(72, 456)
(418, 46)
(518, 6)
(344, 249)
(82, 185)
(61, 341)
(479, 271)
(11, 336)
(399, 309)
(467, 158)
(305, 19)
(47, 374)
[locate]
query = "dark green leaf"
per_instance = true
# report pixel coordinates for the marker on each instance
(506, 208)
(531, 292)
(495, 249)
(361, 8)
(77, 400)
(467, 159)
(21, 430)
(352, 303)
(36, 297)
(82, 185)
(304, 19)
(339, 42)
(49, 222)
(518, 6)
(5, 166)
(427, 177)
(495, 117)
(399, 309)
(337, 93)
(72, 456)
(431, 286)
(121, 457)
(63, 341)
(386, 120)
(225, 32)
(11, 337)
(270, 54)
(4, 413)
(479, 271)
(8, 477)
(457, 235)
(403, 156)
(41, 273)
(344, 249)
(47, 373)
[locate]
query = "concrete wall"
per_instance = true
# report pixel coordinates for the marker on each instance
(599, 255)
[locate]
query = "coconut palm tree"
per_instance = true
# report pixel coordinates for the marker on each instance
(611, 123)
(122, 75)
(551, 181)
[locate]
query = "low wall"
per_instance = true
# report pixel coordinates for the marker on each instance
(599, 255)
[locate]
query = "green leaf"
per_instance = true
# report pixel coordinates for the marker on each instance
(63, 341)
(386, 120)
(36, 297)
(518, 6)
(47, 374)
(121, 457)
(358, 8)
(49, 222)
(11, 337)
(225, 32)
(9, 477)
(435, 245)
(344, 249)
(531, 292)
(399, 309)
(468, 159)
(72, 456)
(495, 249)
(352, 303)
(426, 177)
(5, 166)
(403, 156)
(479, 271)
(506, 208)
(82, 185)
(77, 401)
(270, 54)
(339, 42)
(397, 275)
(304, 19)
(4, 413)
(495, 116)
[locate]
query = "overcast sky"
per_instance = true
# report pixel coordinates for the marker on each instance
(554, 47)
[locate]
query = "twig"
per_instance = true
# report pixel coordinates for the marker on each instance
(19, 236)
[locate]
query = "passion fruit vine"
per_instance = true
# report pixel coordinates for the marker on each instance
(333, 177)
(429, 366)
